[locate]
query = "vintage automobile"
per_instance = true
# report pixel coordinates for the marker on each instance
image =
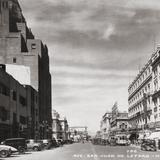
(148, 145)
(6, 151)
(34, 145)
(18, 143)
(47, 143)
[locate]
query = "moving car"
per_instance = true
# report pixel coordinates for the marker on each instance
(34, 145)
(148, 145)
(18, 143)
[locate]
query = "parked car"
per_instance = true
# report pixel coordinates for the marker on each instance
(148, 145)
(34, 145)
(47, 143)
(60, 142)
(18, 143)
(6, 151)
(10, 148)
(55, 142)
(69, 141)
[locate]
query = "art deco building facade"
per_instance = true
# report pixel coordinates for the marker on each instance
(144, 97)
(18, 46)
(18, 108)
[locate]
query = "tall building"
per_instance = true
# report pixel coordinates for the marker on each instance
(18, 108)
(18, 46)
(144, 97)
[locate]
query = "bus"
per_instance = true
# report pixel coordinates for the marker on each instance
(122, 139)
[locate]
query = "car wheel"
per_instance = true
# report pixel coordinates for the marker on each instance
(3, 153)
(36, 148)
(21, 150)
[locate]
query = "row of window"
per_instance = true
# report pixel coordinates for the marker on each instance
(137, 108)
(140, 80)
(140, 94)
(141, 120)
(4, 90)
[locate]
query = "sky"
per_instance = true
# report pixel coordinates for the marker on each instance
(96, 48)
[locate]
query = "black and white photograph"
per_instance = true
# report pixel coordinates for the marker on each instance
(79, 79)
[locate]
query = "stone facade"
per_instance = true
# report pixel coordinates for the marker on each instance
(105, 125)
(119, 121)
(114, 122)
(60, 127)
(144, 97)
(18, 46)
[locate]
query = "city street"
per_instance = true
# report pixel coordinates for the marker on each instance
(87, 151)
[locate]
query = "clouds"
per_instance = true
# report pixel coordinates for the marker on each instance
(96, 48)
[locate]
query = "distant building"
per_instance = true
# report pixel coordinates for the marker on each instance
(19, 47)
(65, 129)
(105, 125)
(60, 127)
(78, 132)
(98, 134)
(119, 122)
(56, 125)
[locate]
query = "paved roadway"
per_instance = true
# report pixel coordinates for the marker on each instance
(87, 151)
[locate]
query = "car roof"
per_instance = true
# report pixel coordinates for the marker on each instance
(15, 139)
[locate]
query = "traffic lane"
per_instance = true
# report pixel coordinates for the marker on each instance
(87, 151)
(66, 152)
(124, 153)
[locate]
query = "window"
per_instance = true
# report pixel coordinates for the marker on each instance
(4, 114)
(33, 46)
(14, 95)
(22, 120)
(14, 60)
(22, 100)
(4, 90)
